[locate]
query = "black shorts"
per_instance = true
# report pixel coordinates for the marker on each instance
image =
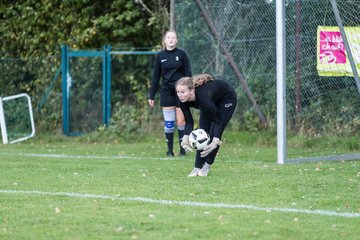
(168, 97)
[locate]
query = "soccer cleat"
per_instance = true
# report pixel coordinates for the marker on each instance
(194, 172)
(182, 152)
(205, 170)
(170, 154)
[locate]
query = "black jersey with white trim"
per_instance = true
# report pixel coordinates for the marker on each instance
(208, 97)
(171, 66)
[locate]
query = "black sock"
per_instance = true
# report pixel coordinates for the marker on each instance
(181, 135)
(170, 141)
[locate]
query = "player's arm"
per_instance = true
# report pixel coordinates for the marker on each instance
(155, 78)
(189, 120)
(189, 126)
(187, 66)
(210, 109)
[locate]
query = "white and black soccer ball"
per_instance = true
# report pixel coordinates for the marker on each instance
(199, 139)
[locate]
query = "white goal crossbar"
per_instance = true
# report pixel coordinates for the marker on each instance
(3, 120)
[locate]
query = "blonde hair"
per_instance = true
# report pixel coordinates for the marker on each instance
(200, 79)
(163, 38)
(195, 81)
(185, 81)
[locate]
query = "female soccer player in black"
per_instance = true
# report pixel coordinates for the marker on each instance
(171, 64)
(217, 101)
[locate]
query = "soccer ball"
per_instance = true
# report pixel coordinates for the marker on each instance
(199, 139)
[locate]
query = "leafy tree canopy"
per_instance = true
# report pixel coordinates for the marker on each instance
(39, 27)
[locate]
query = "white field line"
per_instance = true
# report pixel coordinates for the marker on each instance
(186, 203)
(41, 155)
(78, 156)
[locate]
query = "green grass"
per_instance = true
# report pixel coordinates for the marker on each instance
(81, 190)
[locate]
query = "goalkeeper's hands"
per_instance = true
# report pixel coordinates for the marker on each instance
(185, 144)
(211, 147)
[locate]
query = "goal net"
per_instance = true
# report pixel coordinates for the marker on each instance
(16, 118)
(236, 40)
(323, 95)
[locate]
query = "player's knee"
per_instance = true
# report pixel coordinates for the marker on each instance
(169, 126)
(180, 123)
(169, 120)
(180, 119)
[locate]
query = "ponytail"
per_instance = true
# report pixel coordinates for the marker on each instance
(200, 79)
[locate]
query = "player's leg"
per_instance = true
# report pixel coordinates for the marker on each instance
(204, 123)
(225, 112)
(167, 103)
(180, 122)
(169, 128)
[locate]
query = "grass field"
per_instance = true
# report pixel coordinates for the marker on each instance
(70, 189)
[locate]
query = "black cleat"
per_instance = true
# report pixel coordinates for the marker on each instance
(182, 152)
(170, 154)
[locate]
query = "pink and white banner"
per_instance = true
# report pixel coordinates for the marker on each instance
(332, 59)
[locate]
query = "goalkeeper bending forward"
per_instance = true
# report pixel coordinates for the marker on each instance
(216, 100)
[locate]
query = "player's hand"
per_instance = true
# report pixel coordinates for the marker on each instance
(211, 147)
(151, 102)
(185, 144)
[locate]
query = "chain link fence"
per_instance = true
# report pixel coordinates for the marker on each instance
(236, 41)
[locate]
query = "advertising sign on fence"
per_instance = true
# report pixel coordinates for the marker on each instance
(332, 59)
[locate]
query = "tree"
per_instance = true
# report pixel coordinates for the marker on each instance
(33, 27)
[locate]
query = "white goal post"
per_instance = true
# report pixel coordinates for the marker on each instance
(281, 86)
(4, 131)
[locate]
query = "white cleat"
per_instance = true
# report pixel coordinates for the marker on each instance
(205, 170)
(194, 172)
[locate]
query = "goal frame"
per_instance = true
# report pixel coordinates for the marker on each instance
(4, 133)
(281, 88)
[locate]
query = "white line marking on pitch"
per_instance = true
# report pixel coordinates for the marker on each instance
(79, 156)
(187, 203)
(102, 157)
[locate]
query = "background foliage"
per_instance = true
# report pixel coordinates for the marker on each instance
(33, 31)
(38, 28)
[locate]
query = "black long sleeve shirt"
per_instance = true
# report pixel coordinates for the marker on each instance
(207, 98)
(171, 66)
